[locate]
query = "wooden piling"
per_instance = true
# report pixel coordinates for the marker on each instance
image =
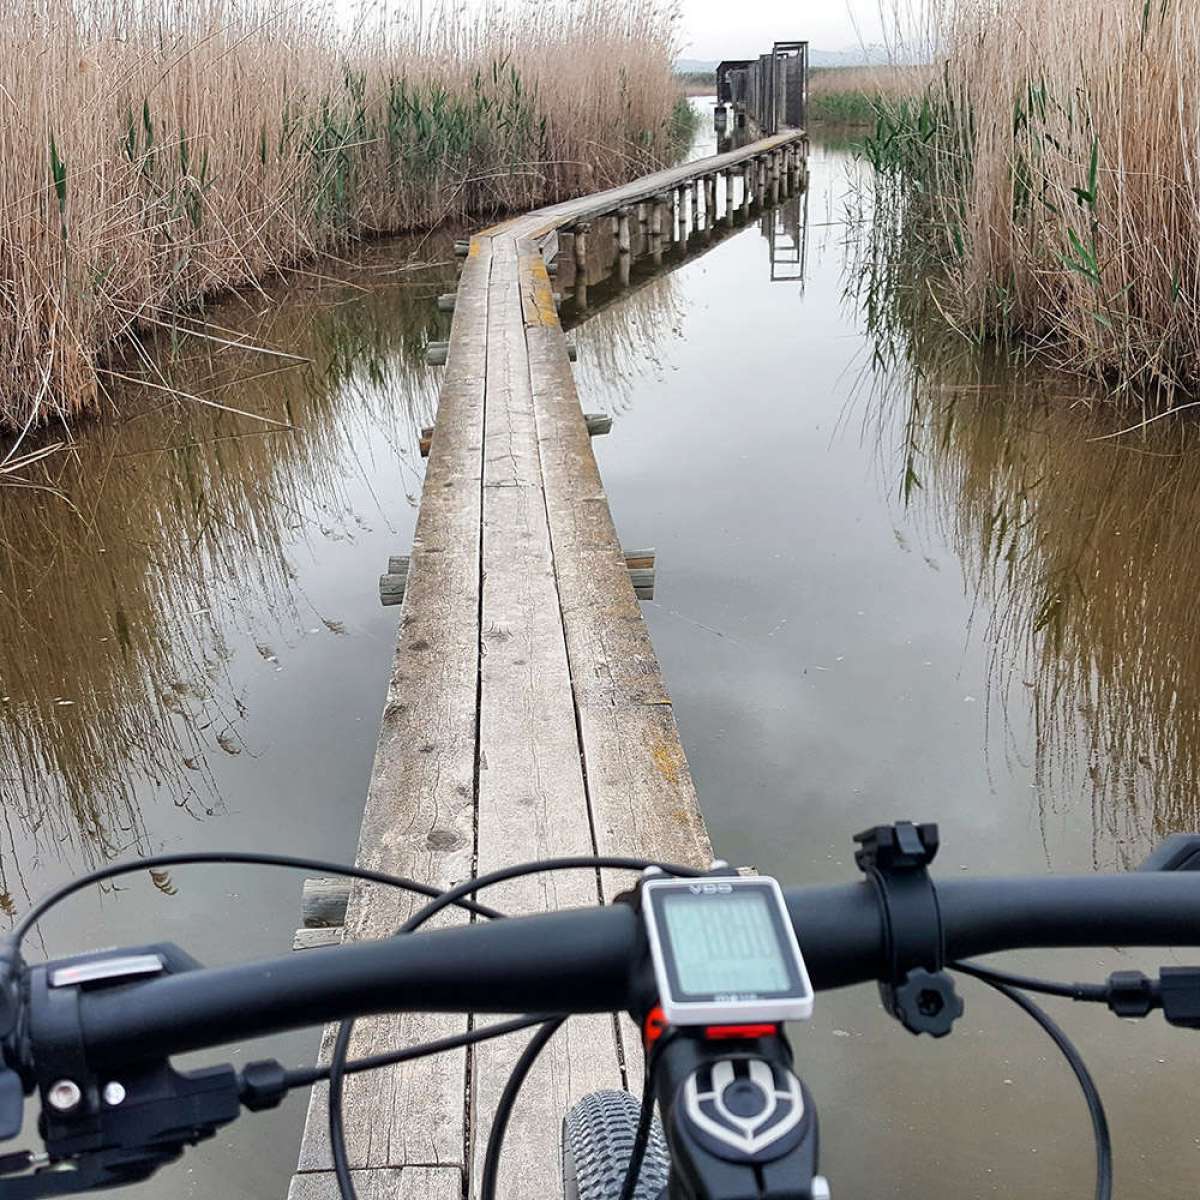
(581, 231)
(623, 240)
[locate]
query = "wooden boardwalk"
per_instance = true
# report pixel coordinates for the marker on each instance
(526, 716)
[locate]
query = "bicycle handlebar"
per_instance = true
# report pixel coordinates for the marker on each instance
(587, 960)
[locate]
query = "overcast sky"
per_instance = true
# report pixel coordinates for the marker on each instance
(716, 29)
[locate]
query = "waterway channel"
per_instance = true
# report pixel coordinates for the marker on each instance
(886, 588)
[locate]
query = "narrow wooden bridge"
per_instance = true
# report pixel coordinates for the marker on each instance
(526, 714)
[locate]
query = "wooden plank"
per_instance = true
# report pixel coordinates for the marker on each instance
(409, 1183)
(419, 818)
(532, 800)
(314, 939)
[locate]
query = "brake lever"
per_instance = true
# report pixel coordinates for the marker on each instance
(92, 1173)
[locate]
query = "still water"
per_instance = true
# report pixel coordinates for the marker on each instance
(888, 586)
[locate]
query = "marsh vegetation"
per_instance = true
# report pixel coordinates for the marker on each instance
(1043, 189)
(155, 154)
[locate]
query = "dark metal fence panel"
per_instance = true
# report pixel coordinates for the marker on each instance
(770, 91)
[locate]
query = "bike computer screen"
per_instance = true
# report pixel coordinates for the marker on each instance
(724, 951)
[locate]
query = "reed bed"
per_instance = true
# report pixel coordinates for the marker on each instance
(155, 153)
(1049, 181)
(853, 96)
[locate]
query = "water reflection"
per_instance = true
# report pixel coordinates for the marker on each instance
(625, 310)
(1081, 552)
(172, 532)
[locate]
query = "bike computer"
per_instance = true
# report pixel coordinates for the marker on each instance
(724, 951)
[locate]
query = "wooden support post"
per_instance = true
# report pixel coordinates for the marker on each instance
(710, 201)
(314, 939)
(393, 584)
(749, 183)
(657, 205)
(623, 242)
(694, 190)
(581, 231)
(323, 903)
(729, 186)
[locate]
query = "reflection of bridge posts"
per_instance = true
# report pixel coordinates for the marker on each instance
(658, 217)
(749, 171)
(624, 244)
(710, 202)
(729, 177)
(786, 231)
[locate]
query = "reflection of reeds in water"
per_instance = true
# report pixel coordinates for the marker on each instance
(127, 569)
(623, 345)
(1083, 553)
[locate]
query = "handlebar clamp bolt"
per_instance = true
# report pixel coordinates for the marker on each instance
(64, 1096)
(114, 1094)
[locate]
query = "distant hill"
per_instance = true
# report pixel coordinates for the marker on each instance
(855, 56)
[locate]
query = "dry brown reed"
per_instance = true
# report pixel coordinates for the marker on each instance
(154, 153)
(1054, 168)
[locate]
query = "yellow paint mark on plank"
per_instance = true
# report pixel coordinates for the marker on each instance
(668, 758)
(540, 309)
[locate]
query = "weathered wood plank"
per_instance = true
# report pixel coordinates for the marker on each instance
(314, 939)
(532, 801)
(419, 818)
(409, 1183)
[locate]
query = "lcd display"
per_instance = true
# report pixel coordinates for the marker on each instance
(725, 945)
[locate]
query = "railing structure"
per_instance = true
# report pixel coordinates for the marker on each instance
(770, 91)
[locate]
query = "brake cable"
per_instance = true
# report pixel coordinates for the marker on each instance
(241, 857)
(1091, 1094)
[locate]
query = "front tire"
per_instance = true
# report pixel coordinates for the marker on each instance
(597, 1137)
